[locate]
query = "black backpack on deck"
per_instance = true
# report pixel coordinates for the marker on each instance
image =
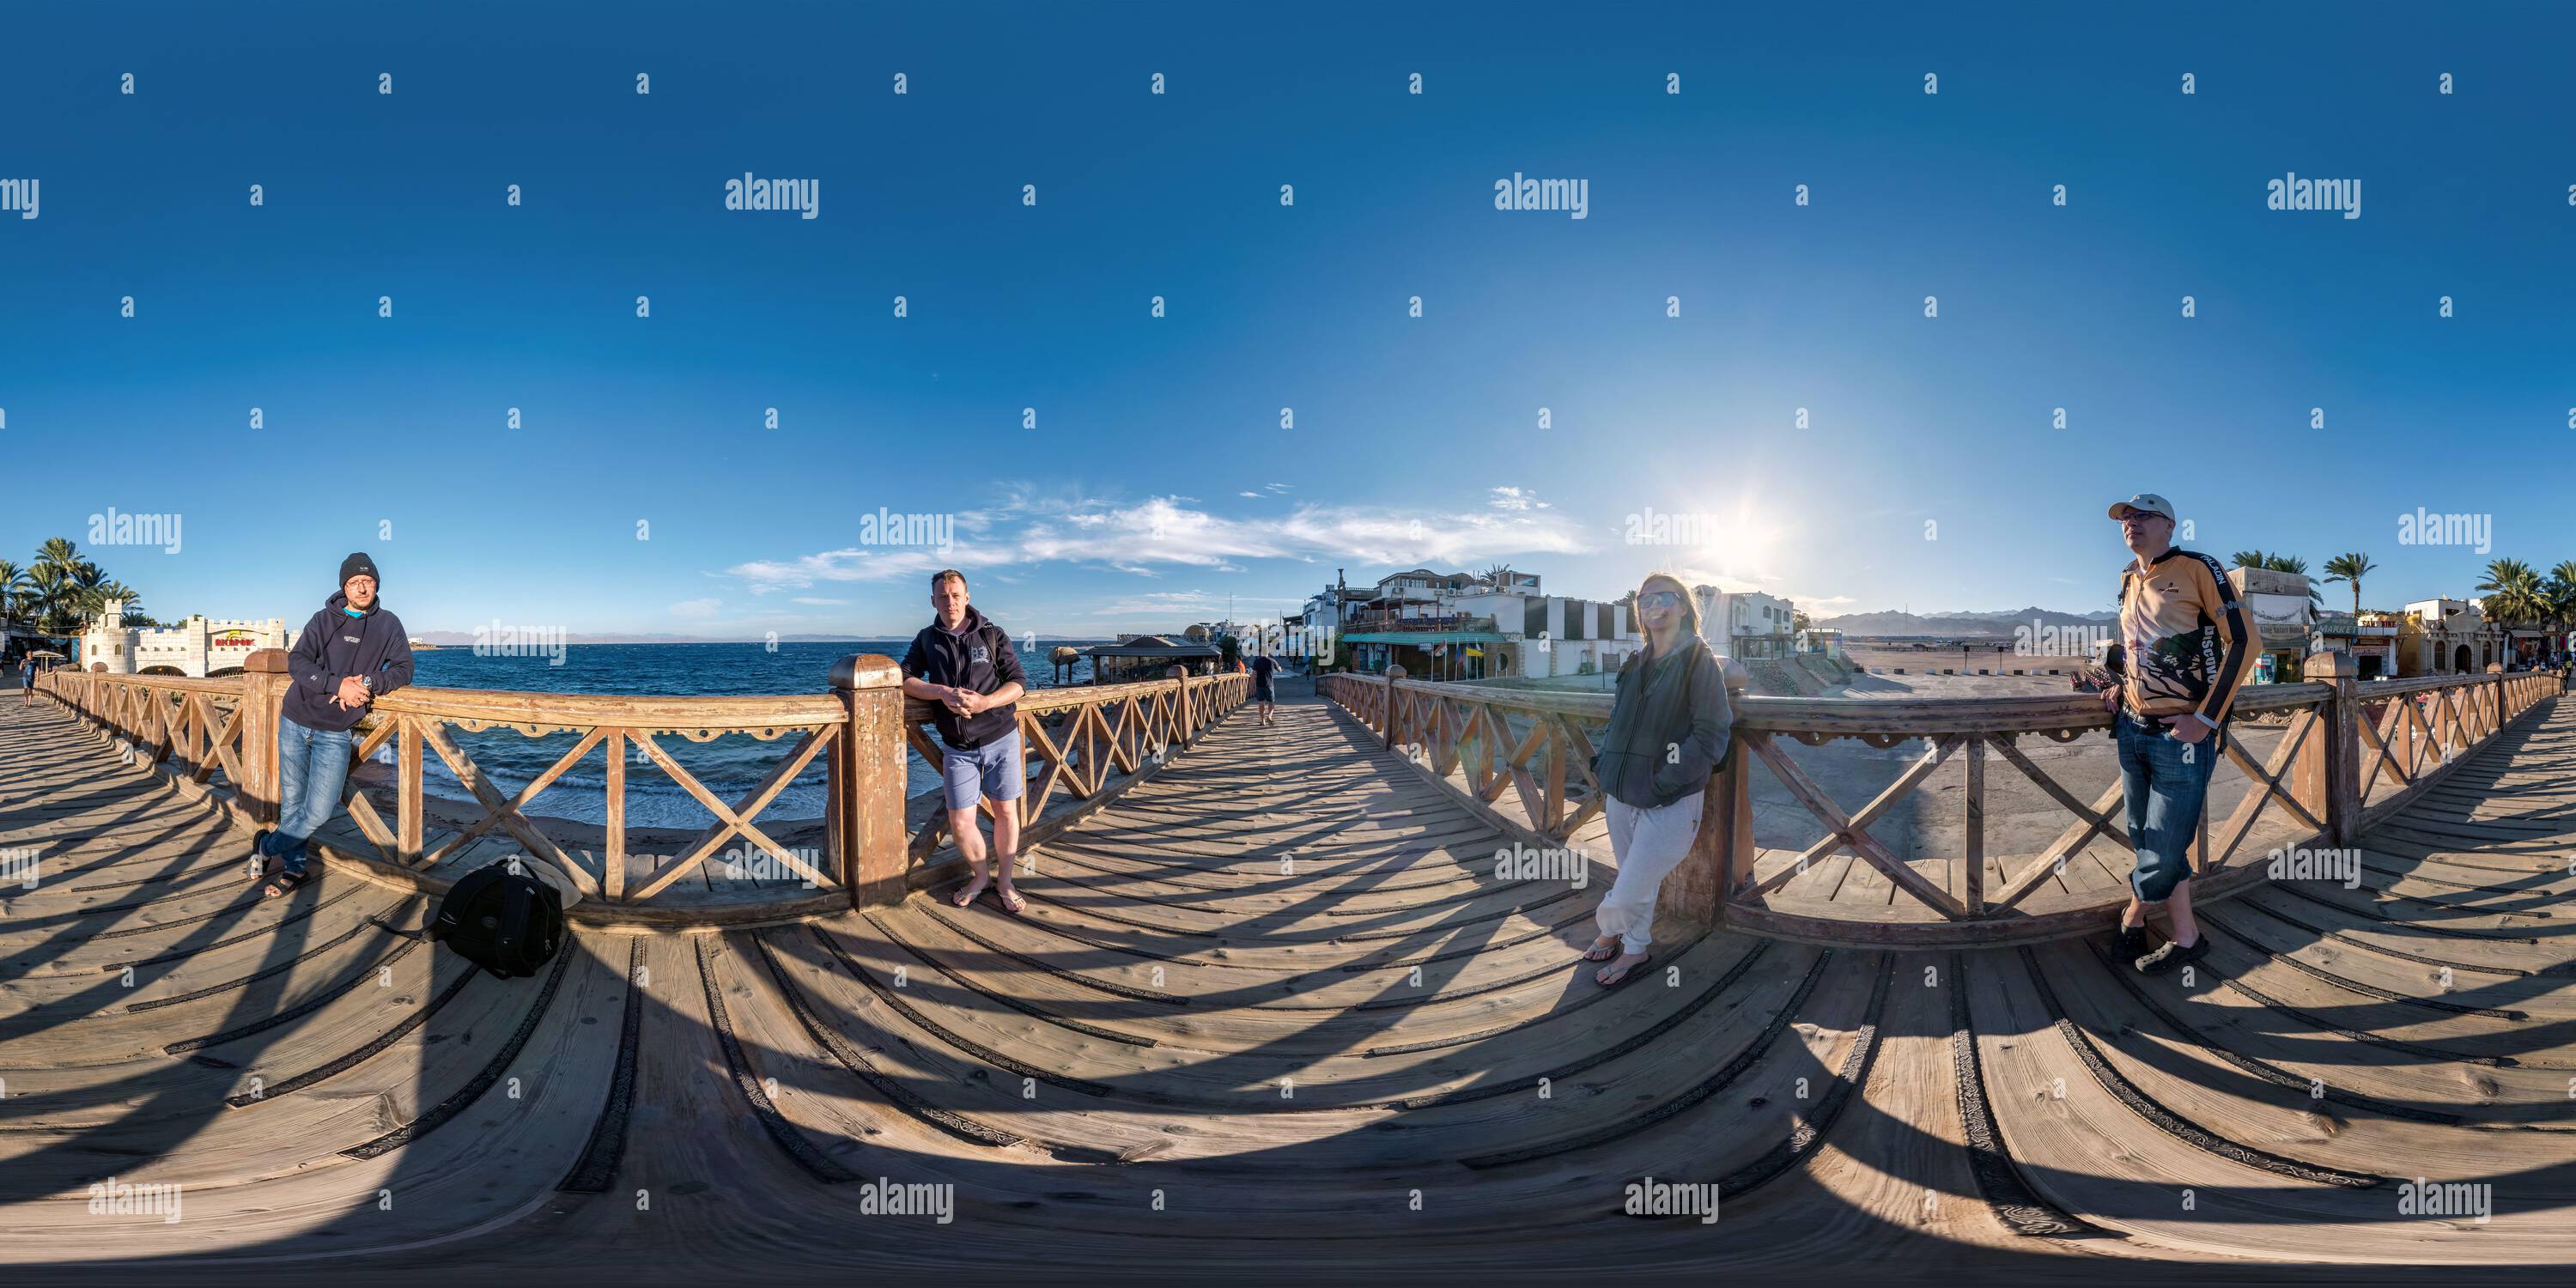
(501, 919)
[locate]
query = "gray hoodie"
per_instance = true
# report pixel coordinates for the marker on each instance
(1668, 727)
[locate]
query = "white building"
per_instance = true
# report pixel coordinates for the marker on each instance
(1474, 626)
(196, 647)
(1746, 623)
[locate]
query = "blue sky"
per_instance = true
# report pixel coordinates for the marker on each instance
(1416, 440)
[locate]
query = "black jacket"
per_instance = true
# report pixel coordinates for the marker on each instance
(335, 645)
(977, 657)
(1668, 729)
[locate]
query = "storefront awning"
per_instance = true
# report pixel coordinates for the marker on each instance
(1420, 639)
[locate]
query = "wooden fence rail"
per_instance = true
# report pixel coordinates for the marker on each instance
(2305, 765)
(217, 739)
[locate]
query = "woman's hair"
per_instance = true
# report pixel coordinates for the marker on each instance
(1690, 605)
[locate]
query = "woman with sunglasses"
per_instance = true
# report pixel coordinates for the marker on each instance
(1668, 729)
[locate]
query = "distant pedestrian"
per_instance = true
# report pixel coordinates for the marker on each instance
(2186, 646)
(1668, 729)
(1264, 668)
(966, 664)
(350, 654)
(27, 680)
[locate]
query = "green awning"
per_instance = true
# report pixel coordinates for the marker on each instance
(1423, 637)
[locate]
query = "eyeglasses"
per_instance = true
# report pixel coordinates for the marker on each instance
(1660, 599)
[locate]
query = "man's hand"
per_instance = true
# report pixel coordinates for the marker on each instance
(351, 694)
(965, 702)
(2187, 728)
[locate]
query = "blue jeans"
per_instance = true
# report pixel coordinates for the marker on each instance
(2165, 782)
(312, 766)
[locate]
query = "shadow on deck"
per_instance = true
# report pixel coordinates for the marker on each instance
(1269, 1008)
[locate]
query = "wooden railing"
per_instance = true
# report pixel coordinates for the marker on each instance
(1086, 744)
(217, 739)
(2312, 764)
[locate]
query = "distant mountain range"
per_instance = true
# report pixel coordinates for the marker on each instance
(1963, 623)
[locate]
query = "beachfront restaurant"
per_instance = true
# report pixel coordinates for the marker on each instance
(1457, 650)
(1148, 657)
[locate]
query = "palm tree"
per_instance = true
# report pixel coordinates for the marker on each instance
(58, 551)
(2513, 595)
(2293, 563)
(2249, 559)
(2352, 568)
(94, 600)
(2562, 594)
(49, 598)
(13, 587)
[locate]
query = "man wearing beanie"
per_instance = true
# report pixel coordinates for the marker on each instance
(350, 654)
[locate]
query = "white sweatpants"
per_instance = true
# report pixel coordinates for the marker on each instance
(1646, 844)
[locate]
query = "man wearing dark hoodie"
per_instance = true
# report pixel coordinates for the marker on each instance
(350, 654)
(966, 664)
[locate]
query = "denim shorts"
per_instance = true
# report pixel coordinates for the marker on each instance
(990, 772)
(2165, 782)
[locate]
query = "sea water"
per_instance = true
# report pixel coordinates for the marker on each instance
(730, 765)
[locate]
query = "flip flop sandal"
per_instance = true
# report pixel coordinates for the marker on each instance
(961, 898)
(1013, 904)
(286, 883)
(1626, 975)
(1602, 950)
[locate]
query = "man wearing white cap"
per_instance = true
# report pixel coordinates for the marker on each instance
(2186, 645)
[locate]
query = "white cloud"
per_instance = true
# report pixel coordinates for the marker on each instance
(1150, 537)
(1163, 604)
(696, 608)
(1515, 498)
(1254, 495)
(809, 599)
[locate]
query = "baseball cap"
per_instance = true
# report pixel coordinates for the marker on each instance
(2147, 501)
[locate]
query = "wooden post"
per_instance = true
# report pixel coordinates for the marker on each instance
(263, 707)
(1972, 872)
(868, 780)
(2331, 790)
(1721, 857)
(1180, 678)
(408, 802)
(2496, 669)
(1394, 673)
